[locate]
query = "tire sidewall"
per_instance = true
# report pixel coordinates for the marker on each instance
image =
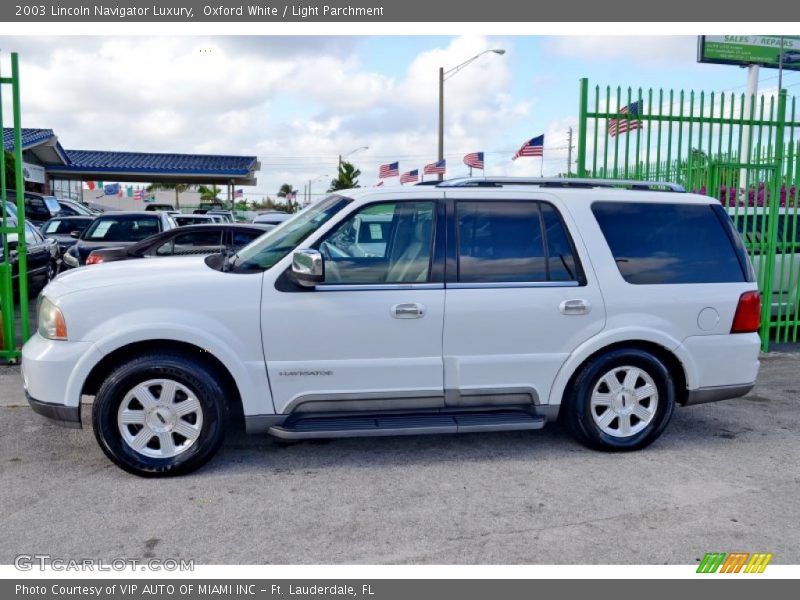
(588, 379)
(111, 394)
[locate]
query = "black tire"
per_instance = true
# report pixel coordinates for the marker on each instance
(194, 376)
(578, 414)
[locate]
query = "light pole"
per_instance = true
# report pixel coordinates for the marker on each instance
(310, 181)
(345, 155)
(443, 76)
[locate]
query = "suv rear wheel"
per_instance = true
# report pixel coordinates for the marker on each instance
(620, 400)
(160, 414)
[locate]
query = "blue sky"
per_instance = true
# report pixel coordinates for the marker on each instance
(297, 102)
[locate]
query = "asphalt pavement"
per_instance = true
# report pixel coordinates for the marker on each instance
(724, 477)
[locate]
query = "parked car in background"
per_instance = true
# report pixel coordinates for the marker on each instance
(63, 230)
(117, 229)
(38, 207)
(183, 220)
(272, 218)
(226, 215)
(190, 240)
(167, 207)
(42, 253)
(70, 208)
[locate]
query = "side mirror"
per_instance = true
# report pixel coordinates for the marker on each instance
(308, 267)
(75, 234)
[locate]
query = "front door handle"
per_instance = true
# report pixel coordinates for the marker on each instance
(575, 307)
(410, 310)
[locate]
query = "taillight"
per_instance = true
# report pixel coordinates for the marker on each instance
(94, 259)
(748, 313)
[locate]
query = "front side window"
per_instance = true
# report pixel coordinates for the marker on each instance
(510, 241)
(670, 243)
(382, 243)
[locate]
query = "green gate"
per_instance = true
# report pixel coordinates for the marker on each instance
(742, 150)
(14, 250)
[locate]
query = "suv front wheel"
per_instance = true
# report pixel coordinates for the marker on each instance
(160, 414)
(620, 400)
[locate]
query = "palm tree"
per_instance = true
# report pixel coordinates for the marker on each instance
(209, 193)
(346, 178)
(285, 190)
(178, 187)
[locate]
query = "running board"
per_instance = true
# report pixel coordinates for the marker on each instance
(297, 428)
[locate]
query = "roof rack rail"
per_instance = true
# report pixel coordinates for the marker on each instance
(571, 182)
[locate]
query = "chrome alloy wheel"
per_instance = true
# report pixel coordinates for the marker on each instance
(624, 401)
(160, 418)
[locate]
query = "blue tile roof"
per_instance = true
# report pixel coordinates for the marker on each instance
(145, 162)
(30, 137)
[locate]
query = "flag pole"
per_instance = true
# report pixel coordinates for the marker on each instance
(541, 166)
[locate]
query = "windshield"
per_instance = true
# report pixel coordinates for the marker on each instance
(271, 247)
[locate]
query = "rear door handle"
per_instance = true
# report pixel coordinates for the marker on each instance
(410, 310)
(575, 307)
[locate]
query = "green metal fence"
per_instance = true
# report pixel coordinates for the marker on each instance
(743, 150)
(14, 250)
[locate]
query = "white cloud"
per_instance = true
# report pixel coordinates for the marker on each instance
(640, 49)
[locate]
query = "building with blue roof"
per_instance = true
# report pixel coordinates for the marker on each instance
(47, 161)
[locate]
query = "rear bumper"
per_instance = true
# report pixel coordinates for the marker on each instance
(66, 416)
(715, 394)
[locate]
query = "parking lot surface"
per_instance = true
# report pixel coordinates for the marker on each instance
(723, 477)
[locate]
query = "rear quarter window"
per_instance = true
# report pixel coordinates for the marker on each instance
(661, 243)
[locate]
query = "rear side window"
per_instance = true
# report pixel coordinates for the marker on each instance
(523, 241)
(670, 243)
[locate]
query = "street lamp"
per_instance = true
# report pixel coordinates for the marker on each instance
(444, 75)
(310, 181)
(359, 149)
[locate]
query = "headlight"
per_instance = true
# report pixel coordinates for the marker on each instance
(52, 325)
(70, 260)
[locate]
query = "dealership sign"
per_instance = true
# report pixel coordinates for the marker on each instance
(761, 50)
(32, 173)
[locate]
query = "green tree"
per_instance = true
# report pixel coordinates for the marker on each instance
(178, 187)
(209, 193)
(285, 190)
(11, 182)
(346, 178)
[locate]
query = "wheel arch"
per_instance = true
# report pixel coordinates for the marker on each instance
(678, 363)
(124, 353)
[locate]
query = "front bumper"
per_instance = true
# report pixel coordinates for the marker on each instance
(66, 416)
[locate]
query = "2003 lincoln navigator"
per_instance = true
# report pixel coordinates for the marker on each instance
(472, 305)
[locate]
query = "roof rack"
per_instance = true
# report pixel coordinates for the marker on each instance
(572, 182)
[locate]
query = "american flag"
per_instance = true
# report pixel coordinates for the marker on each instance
(435, 168)
(410, 176)
(617, 126)
(389, 170)
(290, 196)
(138, 194)
(474, 160)
(239, 193)
(533, 147)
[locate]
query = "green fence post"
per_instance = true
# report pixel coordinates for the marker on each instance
(583, 123)
(22, 249)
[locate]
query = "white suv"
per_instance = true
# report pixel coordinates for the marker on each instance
(492, 305)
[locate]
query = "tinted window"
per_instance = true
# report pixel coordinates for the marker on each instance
(753, 229)
(36, 208)
(195, 242)
(504, 242)
(30, 235)
(668, 243)
(121, 229)
(398, 252)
